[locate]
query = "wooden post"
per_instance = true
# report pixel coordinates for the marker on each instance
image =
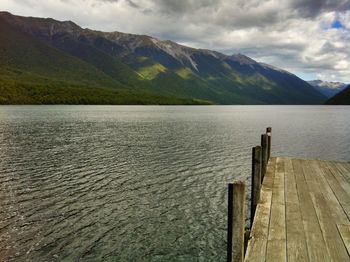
(256, 181)
(235, 222)
(268, 132)
(263, 155)
(246, 240)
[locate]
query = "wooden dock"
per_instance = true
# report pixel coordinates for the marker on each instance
(302, 213)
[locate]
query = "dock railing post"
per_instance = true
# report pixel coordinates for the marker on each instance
(268, 132)
(235, 222)
(264, 147)
(256, 181)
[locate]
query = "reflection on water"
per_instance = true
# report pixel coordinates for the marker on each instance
(137, 183)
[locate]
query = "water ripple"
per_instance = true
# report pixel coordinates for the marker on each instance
(100, 183)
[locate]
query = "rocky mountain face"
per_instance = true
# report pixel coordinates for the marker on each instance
(140, 63)
(328, 89)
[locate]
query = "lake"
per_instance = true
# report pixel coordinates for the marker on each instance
(140, 183)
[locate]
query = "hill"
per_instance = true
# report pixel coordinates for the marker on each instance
(46, 55)
(342, 98)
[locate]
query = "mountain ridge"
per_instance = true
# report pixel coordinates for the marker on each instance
(329, 89)
(146, 64)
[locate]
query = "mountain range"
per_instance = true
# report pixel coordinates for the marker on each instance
(329, 89)
(45, 61)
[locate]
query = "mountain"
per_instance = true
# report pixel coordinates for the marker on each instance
(40, 56)
(328, 89)
(32, 72)
(342, 98)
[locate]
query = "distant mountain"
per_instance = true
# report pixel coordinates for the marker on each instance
(42, 58)
(328, 89)
(342, 98)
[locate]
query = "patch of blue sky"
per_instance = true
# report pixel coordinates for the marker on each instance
(306, 76)
(337, 25)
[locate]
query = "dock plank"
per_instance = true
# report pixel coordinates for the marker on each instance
(316, 246)
(304, 212)
(343, 170)
(347, 167)
(256, 250)
(323, 209)
(344, 231)
(333, 240)
(342, 196)
(337, 210)
(276, 244)
(339, 173)
(296, 242)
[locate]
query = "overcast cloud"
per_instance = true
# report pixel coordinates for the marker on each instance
(309, 38)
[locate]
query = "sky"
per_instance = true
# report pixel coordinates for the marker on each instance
(310, 38)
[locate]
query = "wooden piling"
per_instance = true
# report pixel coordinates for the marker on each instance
(256, 181)
(269, 133)
(236, 222)
(264, 158)
(246, 239)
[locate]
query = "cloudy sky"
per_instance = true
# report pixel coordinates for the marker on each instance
(310, 38)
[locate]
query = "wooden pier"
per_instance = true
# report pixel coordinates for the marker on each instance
(301, 213)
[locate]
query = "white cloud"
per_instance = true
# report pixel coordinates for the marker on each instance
(293, 34)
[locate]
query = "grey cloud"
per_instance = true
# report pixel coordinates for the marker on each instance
(184, 6)
(129, 2)
(312, 8)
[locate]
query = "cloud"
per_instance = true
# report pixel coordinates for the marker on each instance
(296, 35)
(312, 8)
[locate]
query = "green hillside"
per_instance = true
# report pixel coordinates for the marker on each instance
(32, 72)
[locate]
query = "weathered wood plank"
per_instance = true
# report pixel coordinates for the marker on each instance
(342, 196)
(337, 210)
(256, 250)
(276, 244)
(347, 167)
(270, 175)
(316, 245)
(343, 170)
(296, 243)
(339, 175)
(303, 213)
(344, 231)
(330, 233)
(333, 240)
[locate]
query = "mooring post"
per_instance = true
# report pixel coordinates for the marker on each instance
(235, 222)
(263, 155)
(268, 133)
(246, 240)
(256, 181)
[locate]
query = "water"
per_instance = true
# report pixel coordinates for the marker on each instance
(135, 183)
